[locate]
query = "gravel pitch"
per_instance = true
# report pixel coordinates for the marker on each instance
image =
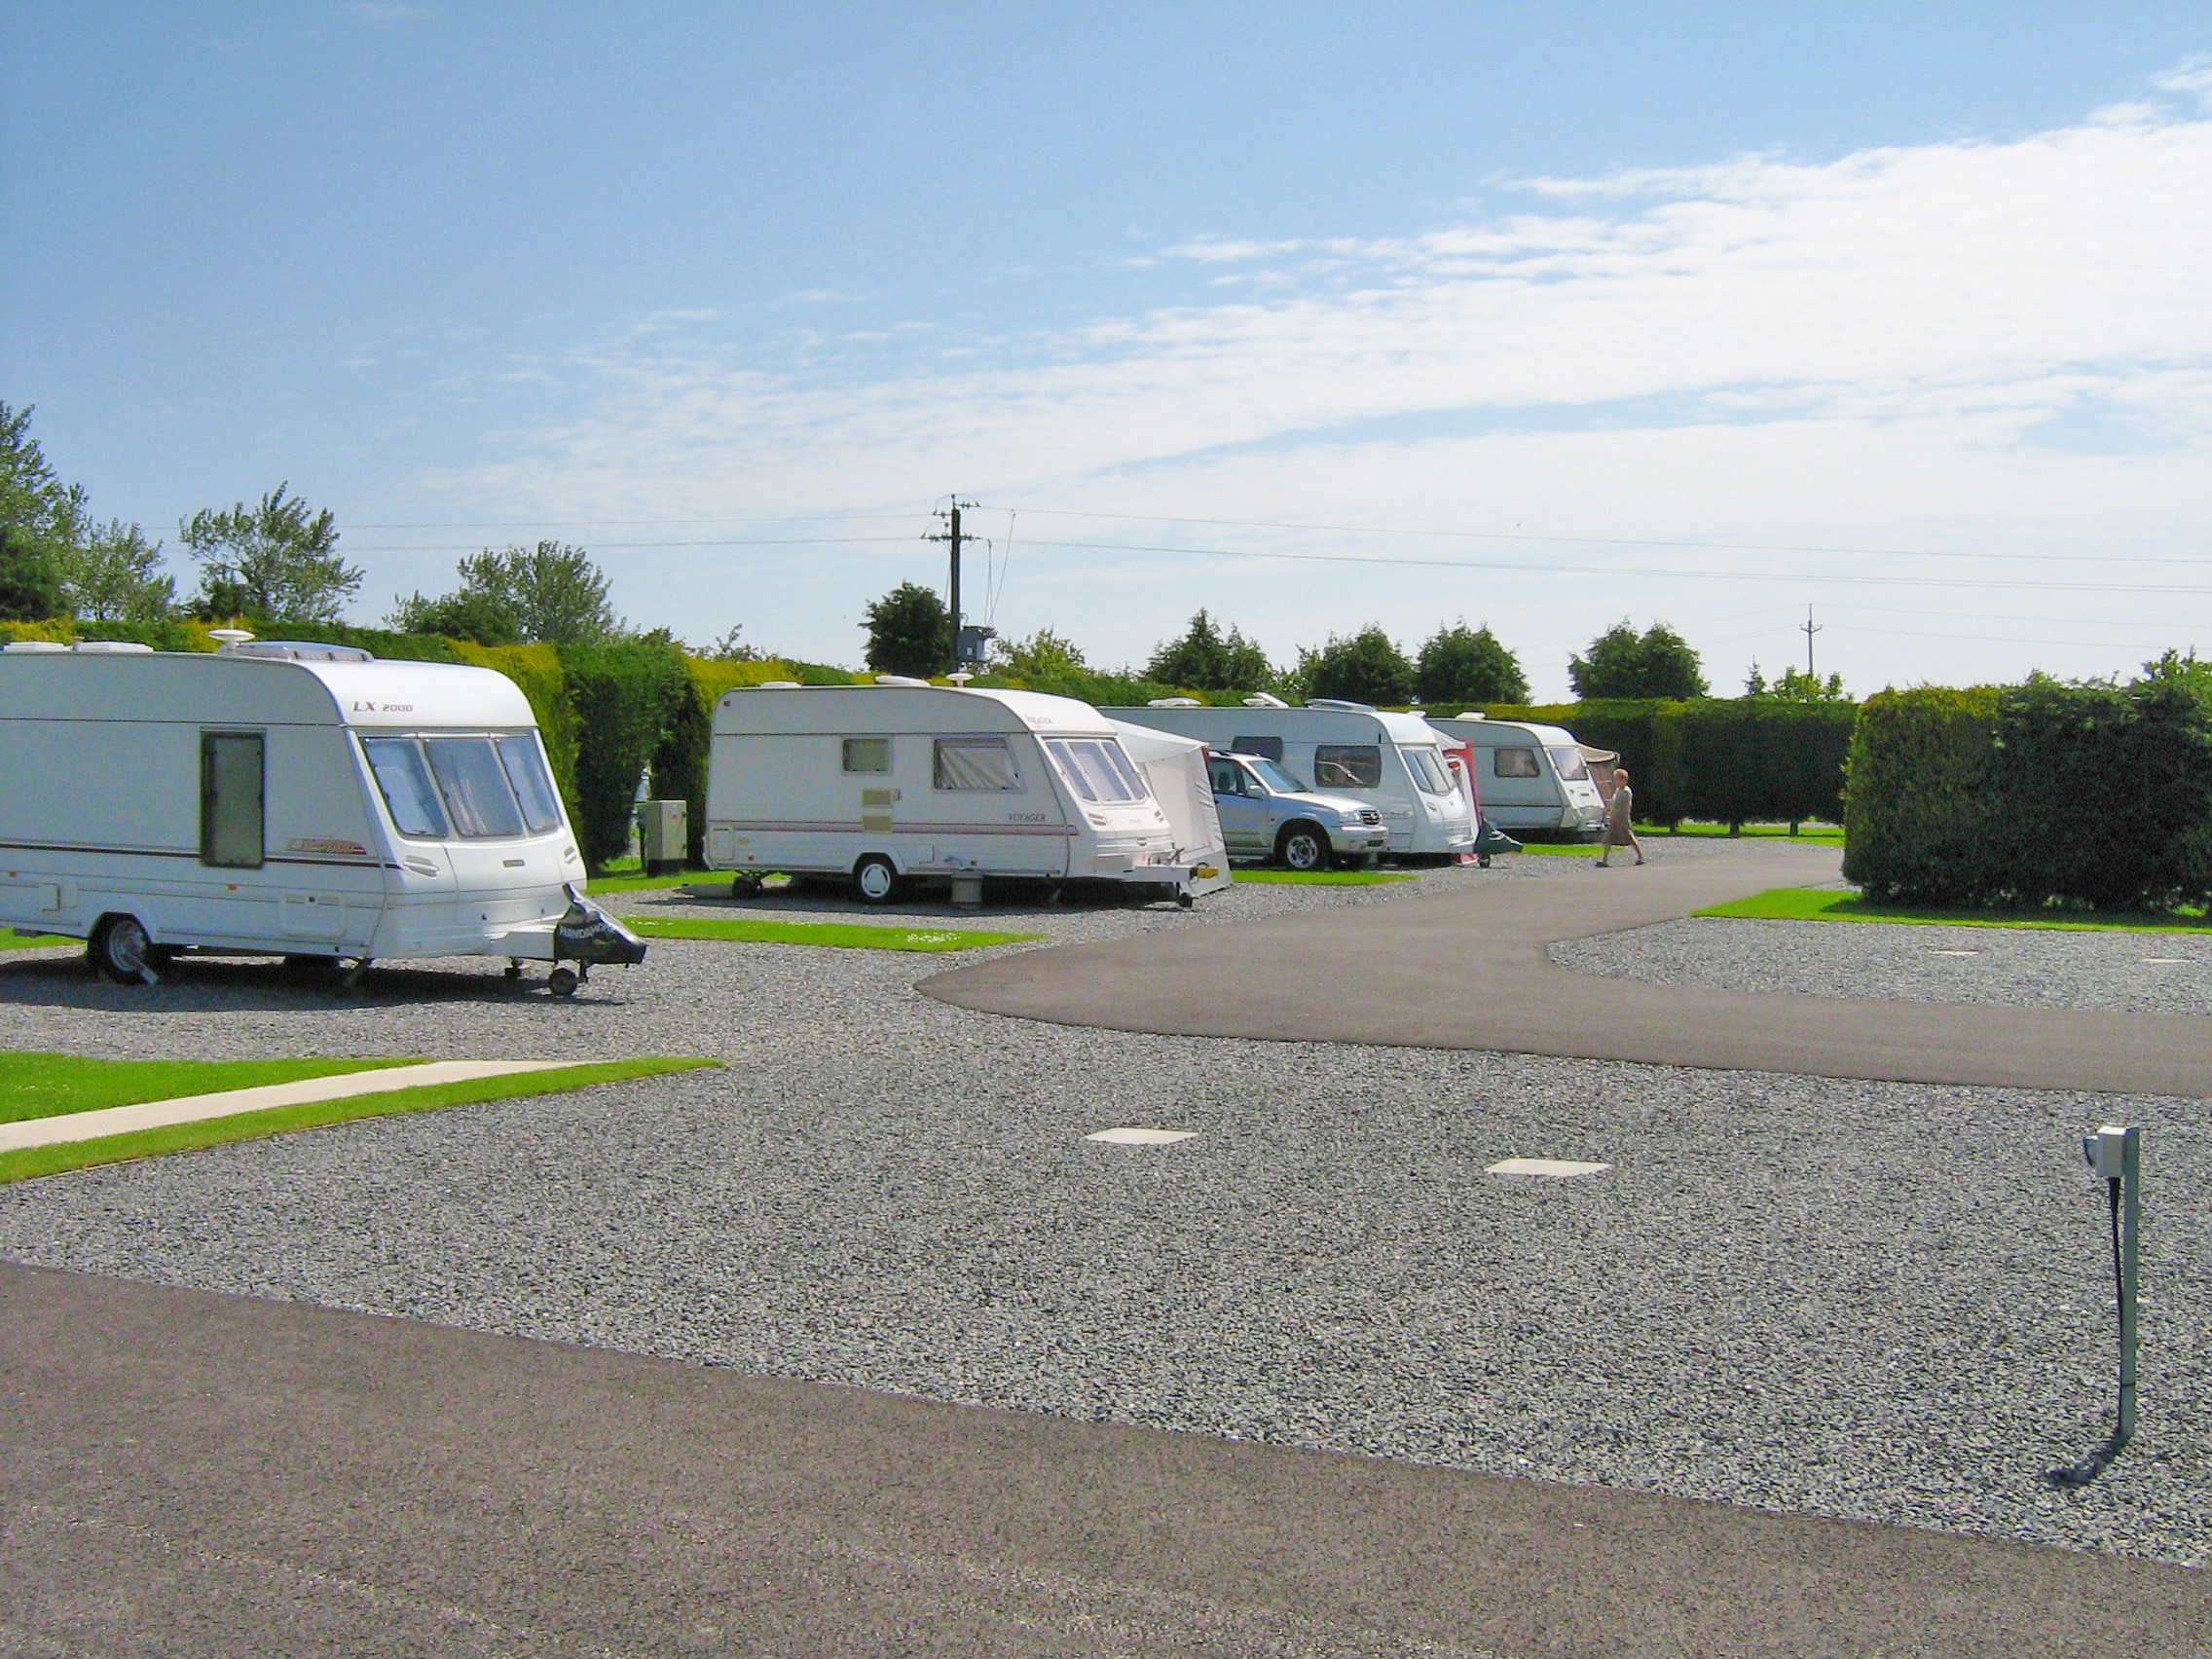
(2123, 973)
(1876, 1301)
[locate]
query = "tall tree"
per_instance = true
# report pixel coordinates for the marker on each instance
(274, 561)
(1211, 660)
(41, 521)
(550, 593)
(909, 632)
(1366, 668)
(1623, 663)
(1468, 665)
(116, 577)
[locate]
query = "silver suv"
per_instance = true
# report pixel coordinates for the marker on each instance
(1266, 813)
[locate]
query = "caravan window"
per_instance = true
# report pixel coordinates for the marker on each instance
(406, 784)
(1567, 758)
(868, 755)
(1428, 768)
(534, 790)
(1095, 768)
(231, 798)
(1270, 746)
(1516, 763)
(1347, 766)
(975, 763)
(474, 786)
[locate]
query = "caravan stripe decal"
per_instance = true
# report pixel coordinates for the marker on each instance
(853, 829)
(193, 853)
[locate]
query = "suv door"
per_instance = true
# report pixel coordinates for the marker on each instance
(1244, 828)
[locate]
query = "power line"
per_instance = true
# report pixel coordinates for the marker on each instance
(1626, 571)
(1620, 540)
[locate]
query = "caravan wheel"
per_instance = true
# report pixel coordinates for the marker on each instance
(877, 879)
(120, 950)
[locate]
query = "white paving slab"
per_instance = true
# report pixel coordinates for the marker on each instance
(1557, 1168)
(1142, 1137)
(194, 1108)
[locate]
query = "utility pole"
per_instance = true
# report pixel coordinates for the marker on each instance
(1805, 628)
(952, 534)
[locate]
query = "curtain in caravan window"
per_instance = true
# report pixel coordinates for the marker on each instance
(975, 763)
(525, 770)
(475, 786)
(1347, 766)
(231, 799)
(405, 783)
(1095, 768)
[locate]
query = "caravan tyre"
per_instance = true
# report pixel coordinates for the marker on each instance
(119, 949)
(877, 879)
(1304, 847)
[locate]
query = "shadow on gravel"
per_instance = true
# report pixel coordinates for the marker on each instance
(194, 984)
(1000, 899)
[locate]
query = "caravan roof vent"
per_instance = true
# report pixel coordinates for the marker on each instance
(1473, 715)
(779, 686)
(226, 637)
(1174, 703)
(1261, 700)
(34, 647)
(1339, 703)
(112, 648)
(299, 650)
(899, 680)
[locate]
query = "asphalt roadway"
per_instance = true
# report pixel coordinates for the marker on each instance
(185, 1474)
(1470, 971)
(191, 1474)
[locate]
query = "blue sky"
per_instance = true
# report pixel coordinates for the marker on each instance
(1702, 312)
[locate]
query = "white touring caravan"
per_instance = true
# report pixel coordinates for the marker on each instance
(904, 782)
(301, 800)
(1397, 763)
(1174, 769)
(1532, 777)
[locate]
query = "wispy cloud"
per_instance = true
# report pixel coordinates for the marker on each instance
(1901, 344)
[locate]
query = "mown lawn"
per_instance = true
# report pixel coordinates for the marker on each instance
(29, 1163)
(843, 935)
(49, 1085)
(10, 940)
(1828, 905)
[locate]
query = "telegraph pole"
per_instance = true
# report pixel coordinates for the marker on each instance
(1805, 627)
(953, 535)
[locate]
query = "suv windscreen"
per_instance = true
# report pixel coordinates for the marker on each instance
(1273, 775)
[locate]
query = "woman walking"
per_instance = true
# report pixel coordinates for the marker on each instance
(1620, 821)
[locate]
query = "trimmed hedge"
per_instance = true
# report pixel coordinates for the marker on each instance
(1735, 761)
(1917, 814)
(2034, 795)
(625, 694)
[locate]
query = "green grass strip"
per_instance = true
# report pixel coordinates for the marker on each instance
(626, 882)
(32, 1161)
(10, 940)
(1324, 877)
(844, 936)
(1826, 905)
(52, 1086)
(1828, 833)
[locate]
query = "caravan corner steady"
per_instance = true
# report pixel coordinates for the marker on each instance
(302, 800)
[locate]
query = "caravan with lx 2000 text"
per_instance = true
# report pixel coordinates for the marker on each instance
(272, 799)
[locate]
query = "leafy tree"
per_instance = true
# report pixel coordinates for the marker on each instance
(551, 594)
(1366, 668)
(1468, 665)
(732, 648)
(41, 520)
(1657, 663)
(1796, 686)
(909, 632)
(1211, 660)
(1044, 655)
(116, 577)
(274, 561)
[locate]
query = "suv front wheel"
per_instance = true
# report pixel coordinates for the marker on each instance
(1304, 847)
